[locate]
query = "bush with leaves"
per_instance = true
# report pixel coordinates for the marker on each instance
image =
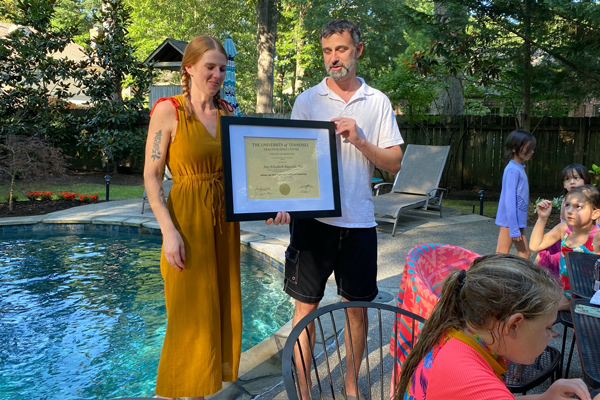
(28, 157)
(35, 76)
(114, 125)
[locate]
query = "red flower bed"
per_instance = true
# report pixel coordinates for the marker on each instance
(67, 196)
(88, 199)
(39, 195)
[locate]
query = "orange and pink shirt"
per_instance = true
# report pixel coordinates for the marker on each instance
(458, 368)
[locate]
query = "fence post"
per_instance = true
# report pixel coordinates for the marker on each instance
(580, 140)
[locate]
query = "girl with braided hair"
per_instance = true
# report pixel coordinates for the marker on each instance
(501, 309)
(200, 260)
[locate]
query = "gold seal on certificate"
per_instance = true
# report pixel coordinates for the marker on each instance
(281, 168)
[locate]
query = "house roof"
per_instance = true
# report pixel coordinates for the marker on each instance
(72, 51)
(167, 55)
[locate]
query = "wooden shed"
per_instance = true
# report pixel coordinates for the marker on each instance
(167, 56)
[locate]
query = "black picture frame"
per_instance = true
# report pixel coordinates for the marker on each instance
(238, 207)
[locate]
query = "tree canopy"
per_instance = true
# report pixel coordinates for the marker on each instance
(36, 77)
(531, 55)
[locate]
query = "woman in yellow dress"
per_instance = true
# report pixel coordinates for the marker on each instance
(200, 260)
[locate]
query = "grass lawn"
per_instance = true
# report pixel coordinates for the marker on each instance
(122, 192)
(117, 192)
(490, 208)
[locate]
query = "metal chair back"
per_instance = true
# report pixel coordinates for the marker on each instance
(329, 353)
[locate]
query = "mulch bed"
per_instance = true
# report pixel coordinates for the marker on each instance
(41, 207)
(38, 207)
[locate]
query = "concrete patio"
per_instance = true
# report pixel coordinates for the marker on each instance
(260, 375)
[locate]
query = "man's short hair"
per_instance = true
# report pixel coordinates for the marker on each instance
(339, 26)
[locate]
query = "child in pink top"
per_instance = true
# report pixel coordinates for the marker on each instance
(572, 176)
(502, 308)
(578, 232)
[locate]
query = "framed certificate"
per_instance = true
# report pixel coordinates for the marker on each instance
(272, 165)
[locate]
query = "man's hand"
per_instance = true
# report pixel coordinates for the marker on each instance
(282, 218)
(348, 129)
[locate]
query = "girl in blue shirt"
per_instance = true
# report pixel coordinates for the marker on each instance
(514, 197)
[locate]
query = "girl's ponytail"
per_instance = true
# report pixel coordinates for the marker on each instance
(446, 315)
(485, 296)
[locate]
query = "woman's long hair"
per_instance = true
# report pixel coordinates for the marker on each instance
(192, 54)
(494, 288)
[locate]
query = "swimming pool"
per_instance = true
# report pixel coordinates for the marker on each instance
(82, 316)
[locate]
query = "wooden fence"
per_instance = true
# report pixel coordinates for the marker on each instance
(477, 148)
(156, 92)
(476, 157)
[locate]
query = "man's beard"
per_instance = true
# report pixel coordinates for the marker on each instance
(339, 74)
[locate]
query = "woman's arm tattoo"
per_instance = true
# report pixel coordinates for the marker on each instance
(155, 149)
(161, 197)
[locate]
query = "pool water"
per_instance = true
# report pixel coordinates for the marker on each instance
(83, 316)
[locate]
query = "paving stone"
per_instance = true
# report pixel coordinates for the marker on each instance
(104, 220)
(261, 385)
(231, 392)
(68, 219)
(21, 220)
(271, 247)
(137, 221)
(248, 237)
(151, 225)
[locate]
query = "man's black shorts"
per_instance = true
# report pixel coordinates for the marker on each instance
(317, 249)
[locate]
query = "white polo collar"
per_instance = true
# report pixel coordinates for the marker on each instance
(363, 90)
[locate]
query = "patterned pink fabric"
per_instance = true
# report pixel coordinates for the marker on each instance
(550, 258)
(426, 267)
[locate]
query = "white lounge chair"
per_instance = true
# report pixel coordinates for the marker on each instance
(415, 186)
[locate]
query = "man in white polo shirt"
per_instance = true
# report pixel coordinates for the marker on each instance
(367, 136)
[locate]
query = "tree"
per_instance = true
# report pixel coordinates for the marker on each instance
(266, 21)
(35, 76)
(70, 12)
(151, 24)
(381, 22)
(7, 8)
(114, 126)
(524, 51)
(28, 157)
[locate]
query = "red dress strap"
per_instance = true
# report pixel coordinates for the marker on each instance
(227, 106)
(172, 100)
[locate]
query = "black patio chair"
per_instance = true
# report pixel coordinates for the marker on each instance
(522, 378)
(566, 319)
(327, 359)
(327, 362)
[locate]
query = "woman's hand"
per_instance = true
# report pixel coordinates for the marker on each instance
(566, 388)
(174, 249)
(282, 218)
